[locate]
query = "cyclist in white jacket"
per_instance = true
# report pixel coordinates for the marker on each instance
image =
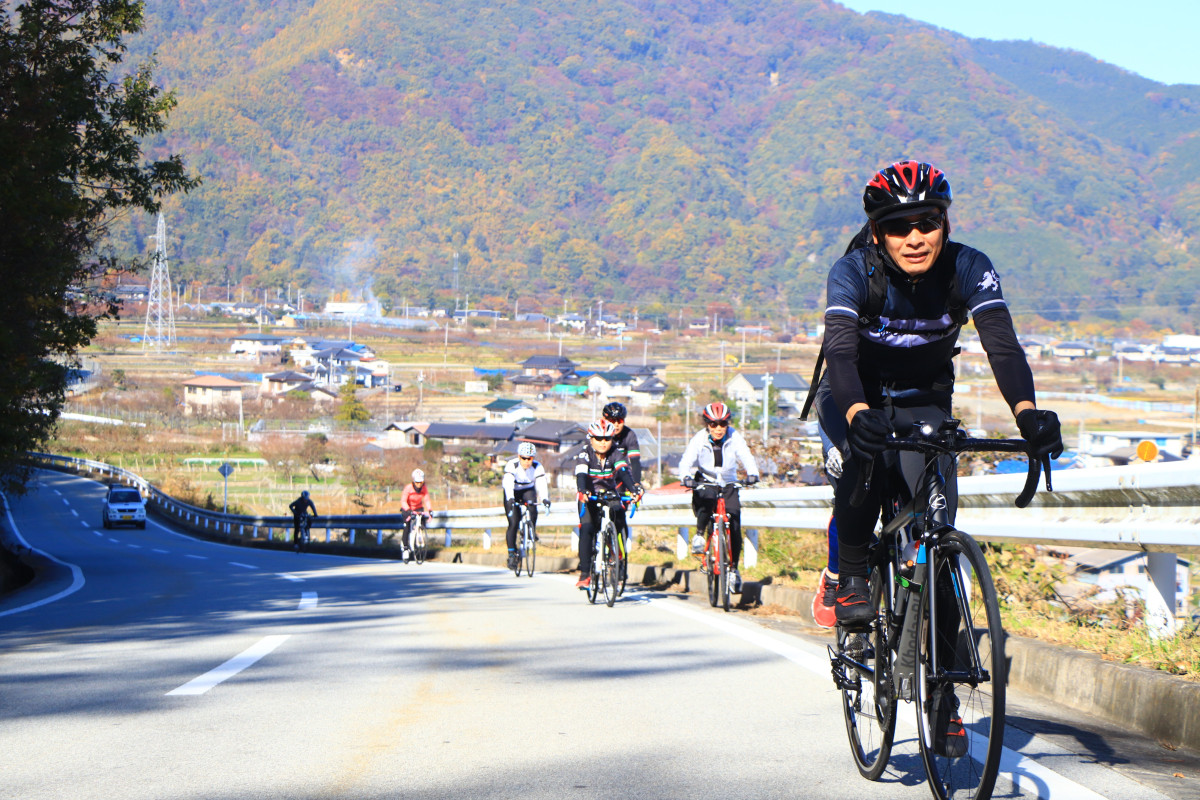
(712, 457)
(524, 481)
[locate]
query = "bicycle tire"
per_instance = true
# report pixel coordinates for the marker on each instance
(973, 629)
(726, 591)
(869, 707)
(418, 543)
(593, 590)
(711, 565)
(530, 552)
(519, 564)
(611, 565)
(624, 561)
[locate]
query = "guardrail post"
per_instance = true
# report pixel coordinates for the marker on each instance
(750, 548)
(379, 537)
(681, 542)
(575, 539)
(447, 537)
(487, 538)
(1160, 595)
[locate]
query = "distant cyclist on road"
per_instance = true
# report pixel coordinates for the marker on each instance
(600, 467)
(414, 500)
(624, 437)
(524, 481)
(301, 507)
(713, 455)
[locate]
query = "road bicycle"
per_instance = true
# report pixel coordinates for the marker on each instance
(417, 544)
(936, 638)
(526, 540)
(301, 535)
(716, 561)
(608, 551)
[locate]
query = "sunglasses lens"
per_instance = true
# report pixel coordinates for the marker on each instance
(903, 227)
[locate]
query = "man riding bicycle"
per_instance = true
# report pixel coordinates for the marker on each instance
(524, 482)
(413, 500)
(712, 457)
(301, 507)
(600, 468)
(889, 367)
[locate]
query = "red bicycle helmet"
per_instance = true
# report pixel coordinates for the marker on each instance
(716, 412)
(906, 186)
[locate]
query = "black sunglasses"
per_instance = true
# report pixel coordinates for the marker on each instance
(903, 227)
(601, 438)
(717, 424)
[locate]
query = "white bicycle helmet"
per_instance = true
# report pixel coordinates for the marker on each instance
(418, 476)
(526, 449)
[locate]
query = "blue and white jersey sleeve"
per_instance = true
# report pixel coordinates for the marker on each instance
(978, 282)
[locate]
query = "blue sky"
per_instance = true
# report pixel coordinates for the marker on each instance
(1157, 39)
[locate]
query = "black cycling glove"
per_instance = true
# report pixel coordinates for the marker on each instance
(869, 431)
(1042, 431)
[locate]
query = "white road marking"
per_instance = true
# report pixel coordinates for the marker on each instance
(307, 600)
(73, 511)
(77, 580)
(198, 558)
(134, 546)
(287, 577)
(66, 502)
(231, 667)
(164, 552)
(114, 541)
(243, 566)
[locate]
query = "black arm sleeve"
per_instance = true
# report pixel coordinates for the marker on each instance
(841, 356)
(582, 484)
(1004, 352)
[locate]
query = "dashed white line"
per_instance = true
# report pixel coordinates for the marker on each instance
(114, 541)
(230, 668)
(76, 513)
(243, 566)
(198, 558)
(287, 577)
(159, 550)
(66, 502)
(134, 546)
(307, 600)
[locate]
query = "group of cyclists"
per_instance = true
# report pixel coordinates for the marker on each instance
(896, 302)
(414, 502)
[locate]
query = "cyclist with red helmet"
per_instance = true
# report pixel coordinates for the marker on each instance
(625, 438)
(599, 467)
(895, 307)
(524, 481)
(712, 457)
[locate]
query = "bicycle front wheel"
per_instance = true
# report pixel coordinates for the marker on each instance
(960, 672)
(724, 585)
(612, 566)
(712, 565)
(596, 575)
(530, 551)
(418, 544)
(522, 542)
(865, 678)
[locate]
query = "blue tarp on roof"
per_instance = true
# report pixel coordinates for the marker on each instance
(482, 371)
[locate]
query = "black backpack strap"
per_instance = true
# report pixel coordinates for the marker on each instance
(812, 386)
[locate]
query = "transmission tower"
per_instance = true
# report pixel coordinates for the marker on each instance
(160, 312)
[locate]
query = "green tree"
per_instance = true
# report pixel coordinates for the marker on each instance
(70, 131)
(351, 408)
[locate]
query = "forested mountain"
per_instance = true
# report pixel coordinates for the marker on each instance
(654, 152)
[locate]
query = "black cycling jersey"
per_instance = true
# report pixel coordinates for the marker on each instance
(627, 440)
(597, 473)
(909, 355)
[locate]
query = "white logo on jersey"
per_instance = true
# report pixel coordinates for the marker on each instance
(990, 281)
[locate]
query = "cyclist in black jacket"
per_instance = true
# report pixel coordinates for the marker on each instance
(625, 438)
(889, 366)
(300, 507)
(599, 467)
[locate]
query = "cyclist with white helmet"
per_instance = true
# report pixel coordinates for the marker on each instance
(300, 507)
(524, 481)
(600, 467)
(712, 457)
(414, 500)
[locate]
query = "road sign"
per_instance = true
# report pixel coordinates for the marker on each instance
(1147, 450)
(225, 469)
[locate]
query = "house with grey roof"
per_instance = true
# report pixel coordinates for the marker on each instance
(746, 389)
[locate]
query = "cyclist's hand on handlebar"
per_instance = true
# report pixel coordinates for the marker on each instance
(751, 480)
(581, 497)
(869, 431)
(638, 491)
(546, 504)
(689, 482)
(1043, 432)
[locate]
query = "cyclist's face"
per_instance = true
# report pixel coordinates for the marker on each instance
(601, 444)
(914, 242)
(618, 424)
(526, 459)
(716, 430)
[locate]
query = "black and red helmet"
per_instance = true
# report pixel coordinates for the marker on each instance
(716, 412)
(906, 186)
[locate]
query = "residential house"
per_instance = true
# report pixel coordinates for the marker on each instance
(256, 345)
(1111, 570)
(649, 392)
(646, 369)
(541, 373)
(746, 389)
(610, 386)
(508, 411)
(1072, 351)
(211, 394)
(402, 434)
(1121, 446)
(281, 383)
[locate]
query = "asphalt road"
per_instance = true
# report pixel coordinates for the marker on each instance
(147, 664)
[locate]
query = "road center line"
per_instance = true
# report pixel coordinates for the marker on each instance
(243, 566)
(231, 667)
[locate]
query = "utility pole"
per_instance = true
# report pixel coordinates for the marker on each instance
(766, 406)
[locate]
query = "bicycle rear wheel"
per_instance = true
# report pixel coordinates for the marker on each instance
(612, 565)
(868, 698)
(960, 672)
